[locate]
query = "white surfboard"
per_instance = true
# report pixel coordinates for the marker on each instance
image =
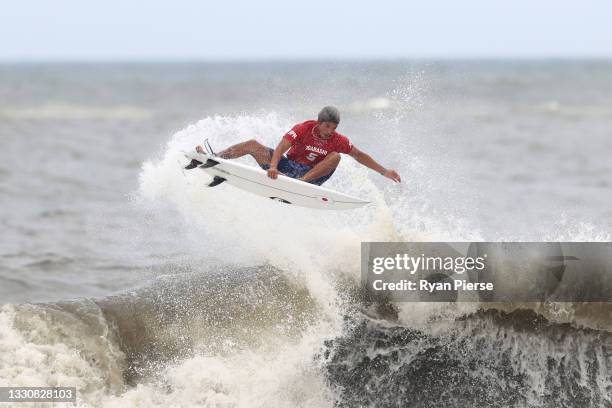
(284, 189)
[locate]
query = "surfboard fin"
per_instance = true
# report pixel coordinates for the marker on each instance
(209, 163)
(194, 163)
(216, 181)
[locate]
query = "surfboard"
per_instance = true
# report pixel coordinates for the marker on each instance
(284, 189)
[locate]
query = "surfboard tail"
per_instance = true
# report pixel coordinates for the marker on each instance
(199, 163)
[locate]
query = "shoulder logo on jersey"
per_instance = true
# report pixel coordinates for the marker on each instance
(292, 134)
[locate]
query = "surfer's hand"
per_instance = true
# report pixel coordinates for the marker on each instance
(392, 174)
(199, 149)
(273, 173)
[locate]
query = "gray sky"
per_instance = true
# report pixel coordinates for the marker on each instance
(263, 29)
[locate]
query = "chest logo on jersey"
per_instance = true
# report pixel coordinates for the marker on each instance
(316, 149)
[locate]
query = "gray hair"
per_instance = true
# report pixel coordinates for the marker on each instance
(329, 114)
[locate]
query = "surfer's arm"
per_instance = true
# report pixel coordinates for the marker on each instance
(282, 147)
(368, 161)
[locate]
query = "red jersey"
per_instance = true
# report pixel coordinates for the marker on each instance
(307, 146)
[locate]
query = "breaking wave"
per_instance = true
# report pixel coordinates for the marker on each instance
(260, 307)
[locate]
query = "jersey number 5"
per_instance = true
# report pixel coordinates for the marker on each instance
(311, 156)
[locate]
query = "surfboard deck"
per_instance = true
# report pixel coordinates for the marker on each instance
(284, 189)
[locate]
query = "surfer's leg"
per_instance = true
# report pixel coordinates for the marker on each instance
(259, 152)
(324, 168)
(323, 179)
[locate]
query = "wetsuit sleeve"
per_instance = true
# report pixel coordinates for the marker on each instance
(344, 145)
(295, 134)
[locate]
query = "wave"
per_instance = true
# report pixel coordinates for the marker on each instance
(258, 306)
(208, 338)
(65, 111)
(489, 358)
(253, 337)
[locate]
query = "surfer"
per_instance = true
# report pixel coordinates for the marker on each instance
(313, 151)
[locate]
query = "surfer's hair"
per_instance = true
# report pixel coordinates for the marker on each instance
(329, 114)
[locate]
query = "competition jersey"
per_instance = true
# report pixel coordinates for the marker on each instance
(308, 148)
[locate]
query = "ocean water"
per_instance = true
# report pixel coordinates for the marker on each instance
(126, 277)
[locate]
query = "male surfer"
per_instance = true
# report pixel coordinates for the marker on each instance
(313, 151)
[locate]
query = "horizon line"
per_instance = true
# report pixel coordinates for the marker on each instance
(188, 60)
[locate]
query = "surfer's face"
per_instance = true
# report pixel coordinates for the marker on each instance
(327, 128)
